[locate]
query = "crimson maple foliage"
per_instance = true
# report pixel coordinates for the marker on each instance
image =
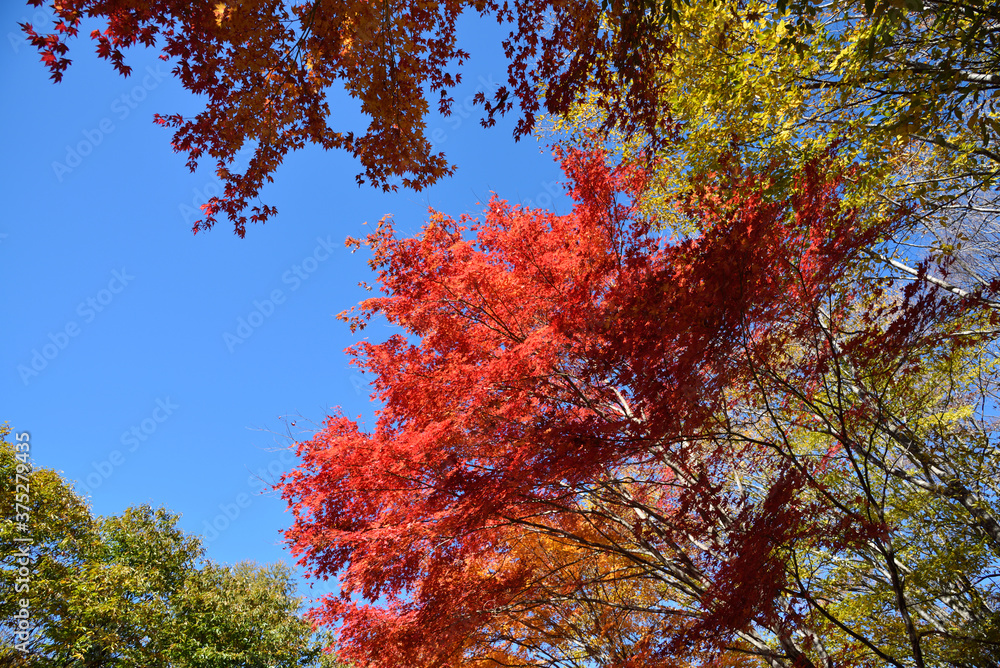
(265, 69)
(579, 378)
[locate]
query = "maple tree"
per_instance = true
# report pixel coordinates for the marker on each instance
(599, 443)
(266, 68)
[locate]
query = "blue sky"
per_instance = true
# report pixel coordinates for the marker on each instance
(120, 353)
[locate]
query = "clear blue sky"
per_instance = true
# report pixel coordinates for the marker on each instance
(139, 395)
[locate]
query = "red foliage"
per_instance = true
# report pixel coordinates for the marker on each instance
(264, 69)
(542, 352)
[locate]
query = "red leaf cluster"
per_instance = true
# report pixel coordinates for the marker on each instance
(542, 353)
(265, 69)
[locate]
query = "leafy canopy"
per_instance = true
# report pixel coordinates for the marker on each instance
(133, 590)
(905, 91)
(265, 70)
(603, 444)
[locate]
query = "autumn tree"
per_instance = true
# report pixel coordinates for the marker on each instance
(604, 445)
(266, 69)
(905, 91)
(912, 81)
(132, 590)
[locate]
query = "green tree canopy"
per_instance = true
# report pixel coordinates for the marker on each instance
(134, 589)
